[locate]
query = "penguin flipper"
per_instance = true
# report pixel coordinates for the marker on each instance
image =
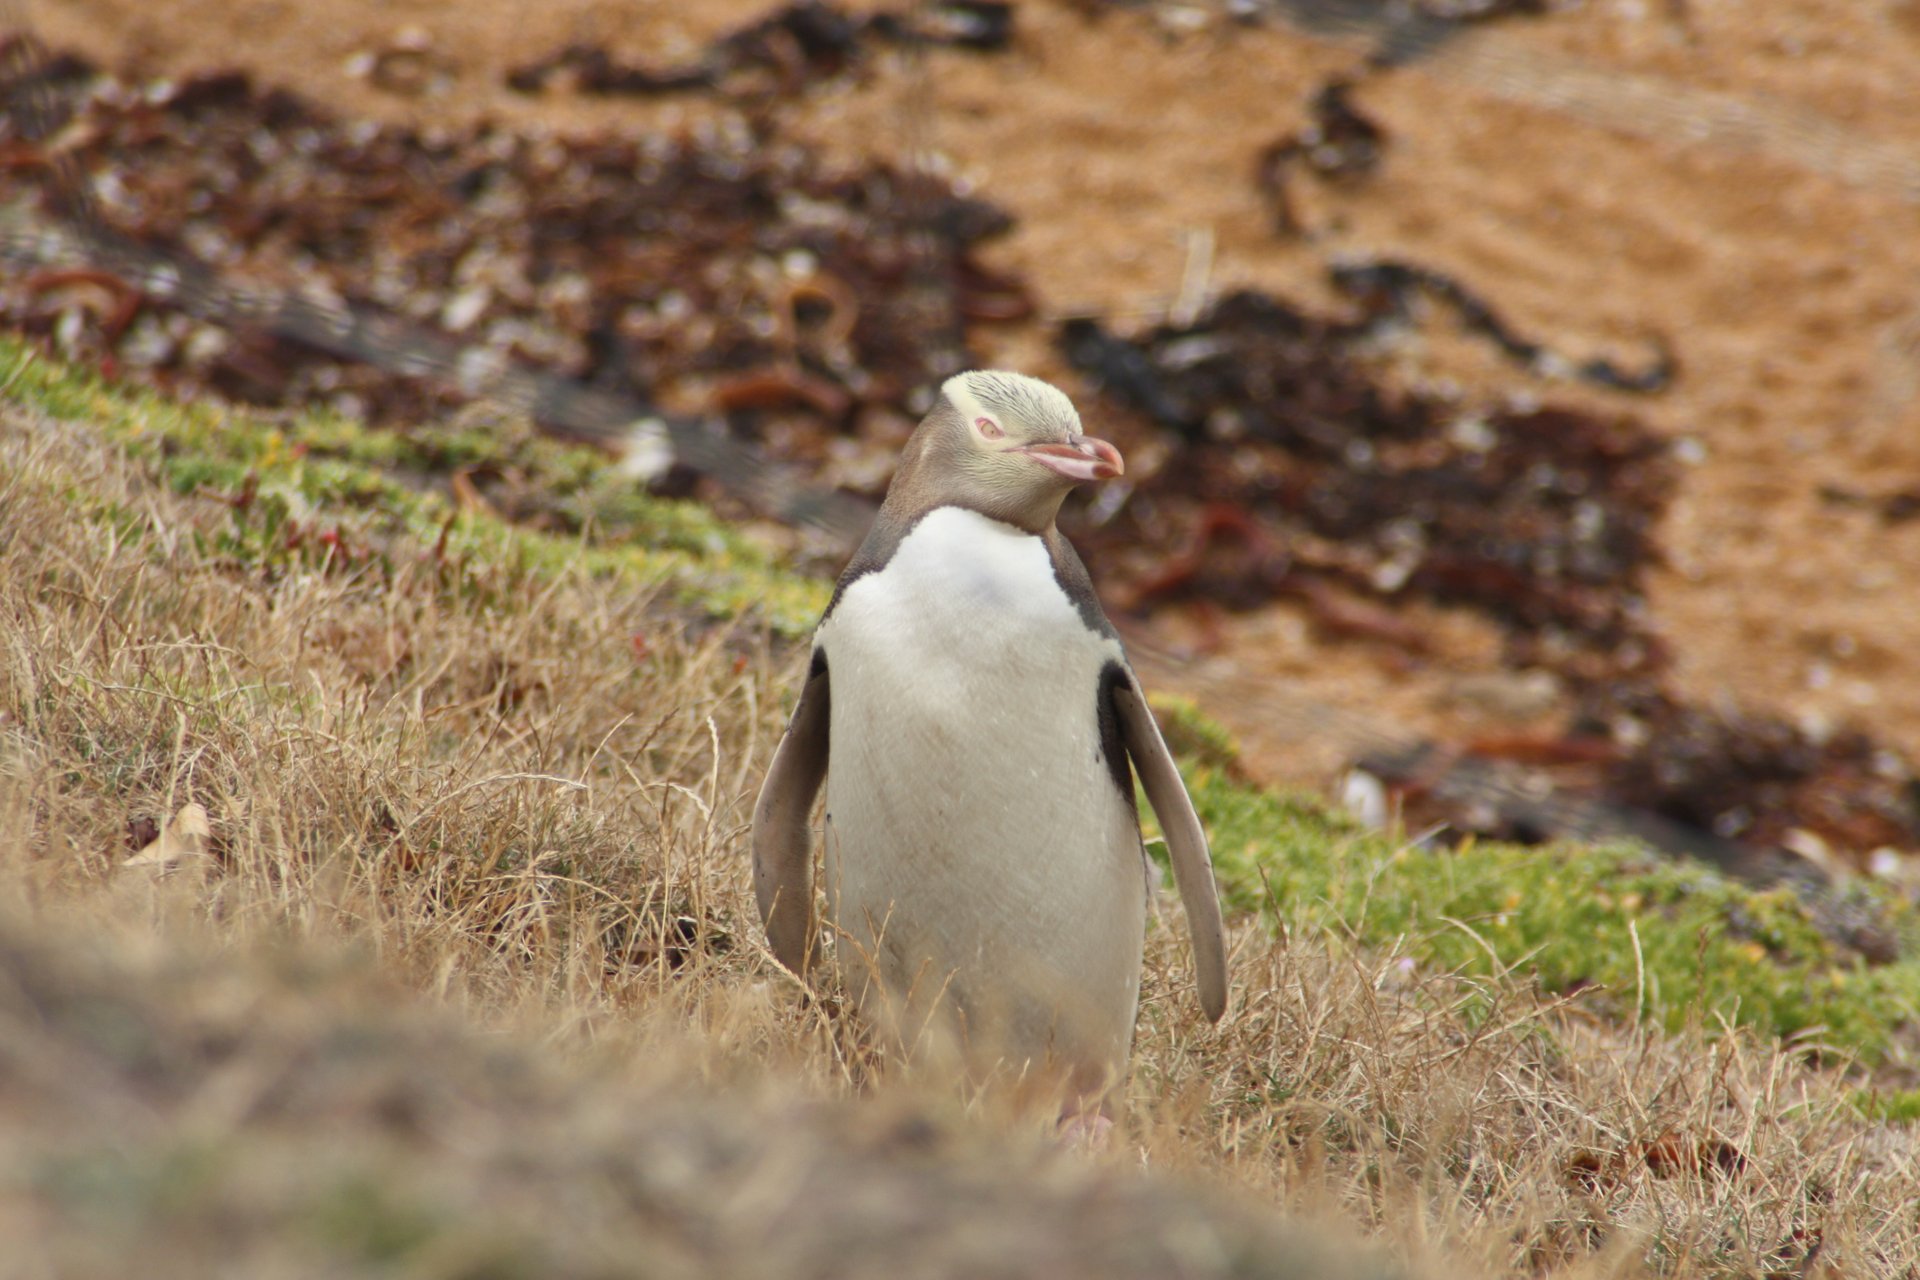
(1186, 842)
(782, 830)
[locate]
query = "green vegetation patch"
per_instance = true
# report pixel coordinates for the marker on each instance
(1895, 1106)
(1636, 933)
(320, 491)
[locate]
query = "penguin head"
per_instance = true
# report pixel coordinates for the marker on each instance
(1003, 444)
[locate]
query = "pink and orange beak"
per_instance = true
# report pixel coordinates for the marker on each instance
(1079, 459)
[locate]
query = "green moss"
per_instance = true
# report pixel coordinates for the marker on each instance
(324, 492)
(1895, 1106)
(1640, 934)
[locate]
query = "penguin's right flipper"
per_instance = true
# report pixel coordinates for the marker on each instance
(782, 835)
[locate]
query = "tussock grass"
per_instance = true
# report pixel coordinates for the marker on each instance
(515, 778)
(484, 771)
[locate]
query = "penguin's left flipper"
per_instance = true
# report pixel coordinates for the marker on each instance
(782, 831)
(1186, 841)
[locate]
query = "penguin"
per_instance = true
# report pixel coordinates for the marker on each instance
(977, 725)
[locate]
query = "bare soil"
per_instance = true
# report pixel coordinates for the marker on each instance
(1740, 179)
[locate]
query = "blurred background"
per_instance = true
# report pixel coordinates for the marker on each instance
(1518, 397)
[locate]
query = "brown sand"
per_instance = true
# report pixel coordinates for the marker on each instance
(1742, 178)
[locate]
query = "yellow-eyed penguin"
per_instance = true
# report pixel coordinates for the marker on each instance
(973, 715)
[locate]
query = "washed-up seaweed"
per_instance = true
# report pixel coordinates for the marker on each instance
(1750, 794)
(1896, 506)
(1295, 470)
(1401, 31)
(1339, 143)
(703, 254)
(1396, 31)
(1749, 777)
(1386, 292)
(1540, 516)
(785, 50)
(726, 270)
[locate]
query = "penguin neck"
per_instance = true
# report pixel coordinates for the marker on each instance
(1040, 523)
(927, 481)
(940, 467)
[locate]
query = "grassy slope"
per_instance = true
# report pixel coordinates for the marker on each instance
(328, 469)
(526, 808)
(1707, 948)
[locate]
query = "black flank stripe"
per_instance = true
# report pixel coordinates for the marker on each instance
(1114, 676)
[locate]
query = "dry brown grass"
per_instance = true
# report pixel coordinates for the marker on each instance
(472, 774)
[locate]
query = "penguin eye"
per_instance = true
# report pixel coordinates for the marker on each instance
(988, 428)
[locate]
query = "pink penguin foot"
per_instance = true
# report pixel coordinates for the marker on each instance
(1085, 1131)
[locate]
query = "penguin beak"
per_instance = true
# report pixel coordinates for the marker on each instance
(1080, 459)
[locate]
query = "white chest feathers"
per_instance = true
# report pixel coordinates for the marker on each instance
(967, 613)
(975, 833)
